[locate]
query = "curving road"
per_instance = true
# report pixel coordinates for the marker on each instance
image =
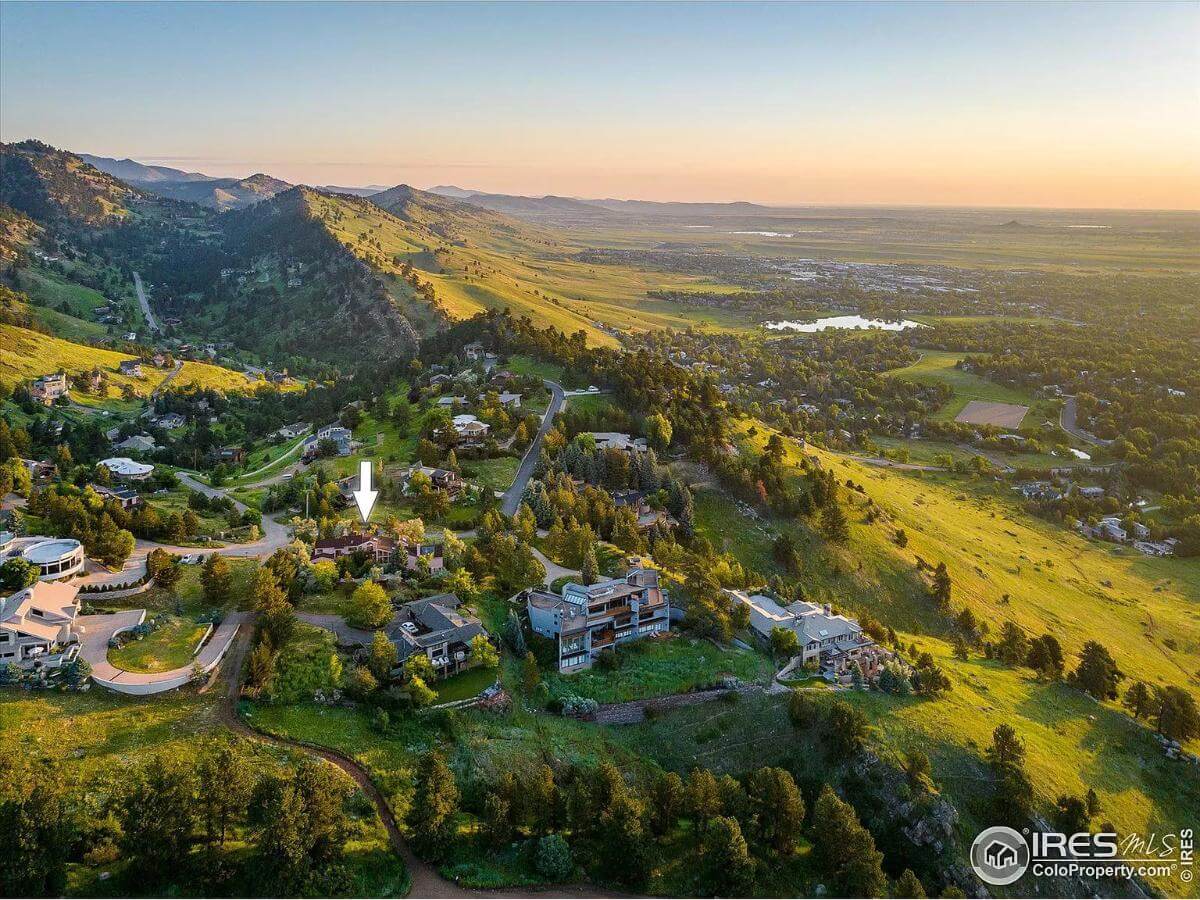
(274, 536)
(512, 497)
(1066, 420)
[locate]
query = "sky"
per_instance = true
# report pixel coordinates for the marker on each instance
(976, 104)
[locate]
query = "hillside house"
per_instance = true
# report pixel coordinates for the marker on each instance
(586, 619)
(37, 625)
(615, 440)
(339, 436)
(832, 642)
(49, 388)
(137, 443)
(471, 432)
(126, 498)
(510, 400)
(439, 628)
(170, 421)
(381, 550)
(441, 479)
(230, 456)
(130, 367)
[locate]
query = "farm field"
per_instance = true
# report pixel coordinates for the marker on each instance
(938, 366)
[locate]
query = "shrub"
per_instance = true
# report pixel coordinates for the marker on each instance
(553, 858)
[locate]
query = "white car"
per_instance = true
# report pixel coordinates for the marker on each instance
(192, 559)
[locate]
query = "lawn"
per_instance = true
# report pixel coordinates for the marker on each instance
(465, 685)
(656, 668)
(171, 646)
(492, 474)
(527, 365)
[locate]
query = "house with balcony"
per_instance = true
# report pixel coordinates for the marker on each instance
(471, 432)
(586, 619)
(830, 641)
(37, 625)
(439, 628)
(381, 550)
(441, 479)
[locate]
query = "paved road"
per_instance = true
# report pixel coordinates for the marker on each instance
(151, 322)
(512, 497)
(275, 535)
(171, 377)
(1066, 419)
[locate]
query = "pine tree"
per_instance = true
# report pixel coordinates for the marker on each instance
(434, 805)
(834, 525)
(589, 572)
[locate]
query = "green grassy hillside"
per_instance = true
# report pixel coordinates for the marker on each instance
(26, 354)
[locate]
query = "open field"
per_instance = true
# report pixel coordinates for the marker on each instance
(656, 668)
(939, 367)
(989, 412)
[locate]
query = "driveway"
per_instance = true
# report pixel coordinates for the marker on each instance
(553, 570)
(95, 634)
(512, 497)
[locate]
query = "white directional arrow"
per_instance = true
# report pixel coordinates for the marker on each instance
(364, 496)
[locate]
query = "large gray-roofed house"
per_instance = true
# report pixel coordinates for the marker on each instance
(438, 627)
(824, 636)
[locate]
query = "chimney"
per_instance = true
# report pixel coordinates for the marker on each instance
(828, 610)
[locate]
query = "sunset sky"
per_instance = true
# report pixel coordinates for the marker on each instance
(1094, 105)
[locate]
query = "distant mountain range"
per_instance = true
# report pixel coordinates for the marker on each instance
(584, 211)
(195, 187)
(224, 194)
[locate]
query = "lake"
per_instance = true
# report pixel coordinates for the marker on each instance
(843, 322)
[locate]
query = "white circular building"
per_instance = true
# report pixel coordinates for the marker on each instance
(55, 557)
(125, 468)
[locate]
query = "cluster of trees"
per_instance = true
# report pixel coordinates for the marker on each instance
(824, 382)
(172, 823)
(734, 832)
(501, 554)
(102, 527)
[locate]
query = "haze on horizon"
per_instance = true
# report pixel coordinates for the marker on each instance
(1060, 105)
